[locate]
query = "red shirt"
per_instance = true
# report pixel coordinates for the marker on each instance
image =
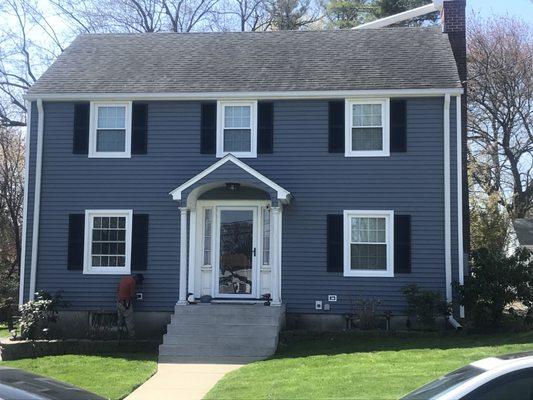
(126, 288)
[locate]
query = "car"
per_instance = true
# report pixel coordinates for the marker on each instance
(16, 384)
(494, 378)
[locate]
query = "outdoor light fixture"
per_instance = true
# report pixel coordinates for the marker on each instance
(232, 186)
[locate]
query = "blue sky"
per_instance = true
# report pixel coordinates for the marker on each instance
(519, 8)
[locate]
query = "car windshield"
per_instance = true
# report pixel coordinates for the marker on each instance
(444, 384)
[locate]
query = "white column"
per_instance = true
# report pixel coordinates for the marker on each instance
(183, 257)
(192, 250)
(276, 259)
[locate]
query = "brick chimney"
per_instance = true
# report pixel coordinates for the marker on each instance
(453, 19)
(454, 24)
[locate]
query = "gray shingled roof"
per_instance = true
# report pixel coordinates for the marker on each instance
(524, 231)
(389, 58)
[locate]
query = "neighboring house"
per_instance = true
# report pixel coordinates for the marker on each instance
(523, 229)
(317, 167)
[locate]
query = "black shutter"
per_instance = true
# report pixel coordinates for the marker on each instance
(208, 134)
(139, 245)
(139, 129)
(398, 126)
(336, 126)
(265, 127)
(76, 232)
(80, 144)
(402, 244)
(335, 237)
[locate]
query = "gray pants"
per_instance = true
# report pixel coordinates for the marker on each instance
(126, 315)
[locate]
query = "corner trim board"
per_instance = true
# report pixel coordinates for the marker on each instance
(447, 201)
(37, 199)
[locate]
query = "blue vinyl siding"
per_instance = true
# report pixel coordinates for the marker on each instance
(322, 183)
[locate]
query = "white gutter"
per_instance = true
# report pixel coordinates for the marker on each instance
(400, 17)
(460, 248)
(25, 202)
(273, 95)
(447, 213)
(37, 199)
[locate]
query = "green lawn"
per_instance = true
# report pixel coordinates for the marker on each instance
(361, 366)
(112, 376)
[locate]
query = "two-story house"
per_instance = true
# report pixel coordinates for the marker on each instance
(315, 167)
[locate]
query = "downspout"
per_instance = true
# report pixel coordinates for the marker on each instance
(447, 211)
(460, 246)
(37, 199)
(25, 203)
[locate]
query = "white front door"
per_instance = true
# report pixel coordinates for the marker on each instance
(236, 251)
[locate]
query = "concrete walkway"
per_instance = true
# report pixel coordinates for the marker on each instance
(181, 381)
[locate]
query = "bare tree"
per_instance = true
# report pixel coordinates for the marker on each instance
(500, 55)
(291, 14)
(186, 15)
(242, 15)
(11, 197)
(28, 44)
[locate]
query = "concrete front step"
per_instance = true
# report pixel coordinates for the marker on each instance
(236, 333)
(210, 349)
(228, 319)
(198, 329)
(222, 341)
(225, 309)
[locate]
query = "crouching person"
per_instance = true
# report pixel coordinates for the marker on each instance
(125, 297)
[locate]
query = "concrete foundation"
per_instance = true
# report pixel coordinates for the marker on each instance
(90, 324)
(337, 322)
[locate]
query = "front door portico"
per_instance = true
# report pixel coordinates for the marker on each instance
(231, 219)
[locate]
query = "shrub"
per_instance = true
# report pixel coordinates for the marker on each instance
(425, 305)
(8, 298)
(365, 313)
(496, 280)
(36, 315)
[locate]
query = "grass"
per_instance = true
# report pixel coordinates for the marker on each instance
(361, 366)
(112, 376)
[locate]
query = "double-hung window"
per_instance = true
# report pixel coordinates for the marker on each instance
(237, 128)
(110, 130)
(367, 128)
(368, 243)
(108, 241)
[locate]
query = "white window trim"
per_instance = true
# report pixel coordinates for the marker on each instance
(87, 267)
(389, 236)
(253, 129)
(93, 124)
(348, 112)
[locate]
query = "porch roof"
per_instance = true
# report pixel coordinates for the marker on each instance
(231, 169)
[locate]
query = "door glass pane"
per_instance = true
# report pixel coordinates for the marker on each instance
(236, 245)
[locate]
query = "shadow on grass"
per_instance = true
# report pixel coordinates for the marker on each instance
(365, 342)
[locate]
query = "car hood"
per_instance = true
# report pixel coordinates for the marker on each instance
(16, 384)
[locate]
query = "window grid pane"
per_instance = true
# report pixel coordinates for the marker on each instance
(367, 115)
(238, 117)
(368, 243)
(108, 245)
(110, 140)
(207, 236)
(266, 236)
(237, 140)
(367, 139)
(111, 117)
